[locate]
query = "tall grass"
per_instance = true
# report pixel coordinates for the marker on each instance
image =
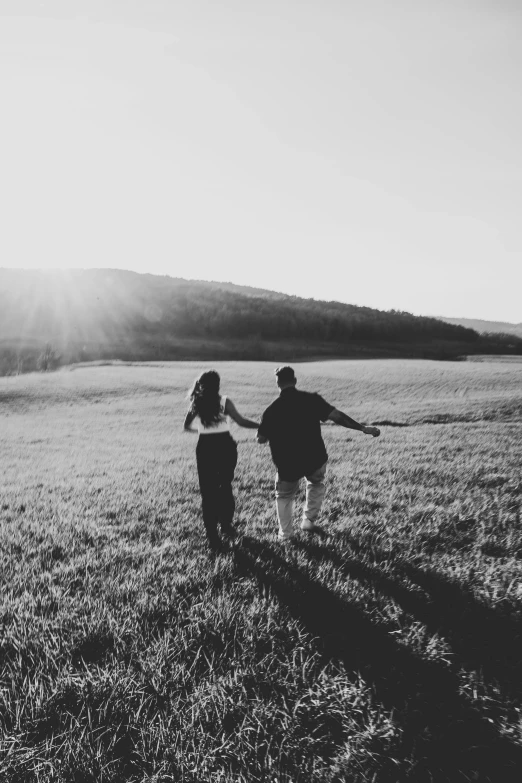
(389, 651)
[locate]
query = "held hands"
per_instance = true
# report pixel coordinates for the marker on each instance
(372, 431)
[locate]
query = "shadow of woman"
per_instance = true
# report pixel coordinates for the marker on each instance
(444, 738)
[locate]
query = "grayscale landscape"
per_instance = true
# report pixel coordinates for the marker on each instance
(389, 651)
(234, 234)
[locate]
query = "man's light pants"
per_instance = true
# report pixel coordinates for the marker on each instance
(285, 492)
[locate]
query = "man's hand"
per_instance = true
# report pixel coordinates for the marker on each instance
(371, 431)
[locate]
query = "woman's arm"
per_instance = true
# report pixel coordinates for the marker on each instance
(231, 410)
(189, 418)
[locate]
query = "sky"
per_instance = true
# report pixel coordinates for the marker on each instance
(365, 151)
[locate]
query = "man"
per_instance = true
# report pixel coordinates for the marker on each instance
(292, 427)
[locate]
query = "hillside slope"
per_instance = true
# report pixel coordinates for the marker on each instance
(115, 314)
(486, 327)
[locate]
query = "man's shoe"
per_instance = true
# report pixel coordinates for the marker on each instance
(307, 524)
(309, 527)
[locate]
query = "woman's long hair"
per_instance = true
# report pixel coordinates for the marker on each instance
(205, 398)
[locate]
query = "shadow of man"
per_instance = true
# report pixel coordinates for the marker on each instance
(482, 639)
(444, 738)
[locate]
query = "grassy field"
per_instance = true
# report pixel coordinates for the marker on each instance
(390, 651)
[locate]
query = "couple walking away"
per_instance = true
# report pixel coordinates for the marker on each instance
(292, 427)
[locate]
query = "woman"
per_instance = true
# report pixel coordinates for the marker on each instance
(216, 452)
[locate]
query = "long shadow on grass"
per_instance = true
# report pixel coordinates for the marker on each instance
(443, 737)
(481, 638)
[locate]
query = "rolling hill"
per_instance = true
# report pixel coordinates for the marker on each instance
(82, 315)
(486, 327)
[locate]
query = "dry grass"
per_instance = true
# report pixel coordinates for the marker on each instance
(390, 651)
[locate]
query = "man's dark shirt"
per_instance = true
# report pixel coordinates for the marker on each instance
(292, 425)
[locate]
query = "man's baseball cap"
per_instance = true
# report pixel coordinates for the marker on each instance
(285, 373)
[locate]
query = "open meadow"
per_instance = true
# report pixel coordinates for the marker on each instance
(390, 651)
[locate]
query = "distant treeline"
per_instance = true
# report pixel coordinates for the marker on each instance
(47, 319)
(198, 311)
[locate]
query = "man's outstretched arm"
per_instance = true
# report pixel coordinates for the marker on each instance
(338, 417)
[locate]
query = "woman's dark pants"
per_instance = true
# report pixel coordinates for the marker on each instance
(216, 457)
